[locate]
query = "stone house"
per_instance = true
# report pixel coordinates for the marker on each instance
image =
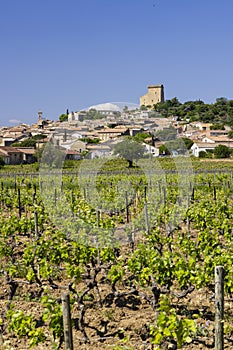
(5, 156)
(28, 154)
(151, 149)
(73, 155)
(79, 146)
(110, 133)
(11, 155)
(197, 147)
(98, 151)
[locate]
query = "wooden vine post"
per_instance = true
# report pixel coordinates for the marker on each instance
(219, 307)
(96, 235)
(19, 202)
(146, 218)
(36, 224)
(127, 207)
(55, 197)
(67, 321)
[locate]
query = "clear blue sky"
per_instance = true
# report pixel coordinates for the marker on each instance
(59, 54)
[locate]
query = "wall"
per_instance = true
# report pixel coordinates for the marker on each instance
(154, 95)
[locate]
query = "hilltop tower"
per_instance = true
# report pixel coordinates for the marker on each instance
(154, 95)
(40, 122)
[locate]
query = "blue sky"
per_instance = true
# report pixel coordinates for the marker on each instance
(70, 54)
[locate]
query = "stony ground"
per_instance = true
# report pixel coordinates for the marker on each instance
(121, 322)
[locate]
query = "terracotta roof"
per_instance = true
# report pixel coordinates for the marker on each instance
(80, 128)
(112, 131)
(72, 152)
(2, 154)
(9, 136)
(98, 147)
(26, 150)
(219, 132)
(19, 129)
(220, 138)
(205, 144)
(88, 133)
(212, 144)
(9, 149)
(135, 127)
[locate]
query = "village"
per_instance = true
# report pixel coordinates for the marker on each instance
(94, 132)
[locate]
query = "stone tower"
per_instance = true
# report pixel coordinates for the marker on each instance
(154, 95)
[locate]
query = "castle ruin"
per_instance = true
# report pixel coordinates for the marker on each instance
(154, 95)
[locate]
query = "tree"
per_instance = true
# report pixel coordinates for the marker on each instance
(222, 151)
(175, 102)
(203, 154)
(51, 156)
(217, 126)
(221, 101)
(39, 152)
(166, 134)
(89, 140)
(26, 143)
(163, 150)
(130, 150)
(94, 114)
(180, 145)
(39, 137)
(63, 117)
(188, 142)
(141, 136)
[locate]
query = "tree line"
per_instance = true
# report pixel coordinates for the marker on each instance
(220, 112)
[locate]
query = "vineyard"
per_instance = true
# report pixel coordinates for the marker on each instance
(135, 249)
